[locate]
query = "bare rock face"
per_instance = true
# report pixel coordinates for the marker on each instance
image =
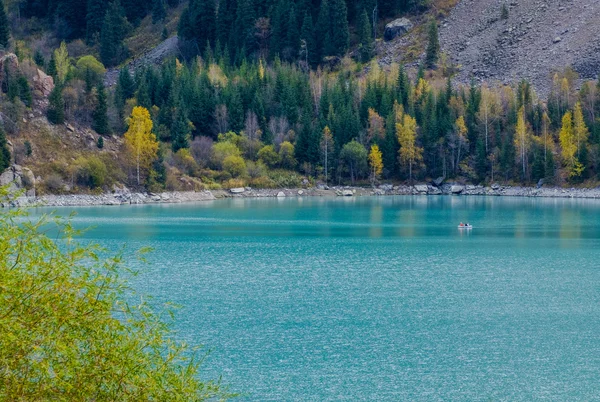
(11, 177)
(8, 60)
(397, 28)
(43, 83)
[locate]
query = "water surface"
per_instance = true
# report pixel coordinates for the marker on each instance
(326, 299)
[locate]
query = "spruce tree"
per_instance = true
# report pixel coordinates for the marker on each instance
(4, 28)
(4, 151)
(339, 32)
(279, 23)
(114, 30)
(100, 114)
(365, 37)
(307, 34)
(225, 19)
(96, 9)
(51, 70)
(56, 108)
(323, 30)
(159, 11)
(433, 47)
(180, 132)
(293, 35)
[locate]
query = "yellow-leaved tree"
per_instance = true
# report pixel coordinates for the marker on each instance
(568, 144)
(409, 152)
(70, 326)
(140, 141)
(522, 140)
(376, 162)
(580, 129)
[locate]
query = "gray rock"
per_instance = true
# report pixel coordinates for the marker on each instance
(456, 189)
(300, 192)
(347, 193)
(540, 183)
(557, 39)
(438, 182)
(238, 190)
(421, 188)
(280, 194)
(495, 186)
(396, 28)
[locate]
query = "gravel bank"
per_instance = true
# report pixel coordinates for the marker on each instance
(126, 198)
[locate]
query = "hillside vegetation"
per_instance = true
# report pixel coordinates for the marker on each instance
(268, 99)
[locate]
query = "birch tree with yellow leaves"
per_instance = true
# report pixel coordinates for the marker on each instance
(409, 152)
(140, 142)
(568, 144)
(522, 140)
(376, 163)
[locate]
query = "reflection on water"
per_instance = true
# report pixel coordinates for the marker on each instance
(381, 298)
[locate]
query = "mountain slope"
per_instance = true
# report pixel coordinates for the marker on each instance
(538, 38)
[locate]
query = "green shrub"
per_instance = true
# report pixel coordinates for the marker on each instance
(222, 150)
(268, 156)
(70, 333)
(285, 178)
(91, 172)
(235, 165)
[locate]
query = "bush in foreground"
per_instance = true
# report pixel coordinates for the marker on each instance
(66, 332)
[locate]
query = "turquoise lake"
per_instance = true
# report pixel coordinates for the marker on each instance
(384, 299)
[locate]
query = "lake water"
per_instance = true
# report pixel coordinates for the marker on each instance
(323, 299)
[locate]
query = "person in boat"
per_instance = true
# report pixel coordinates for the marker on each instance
(461, 224)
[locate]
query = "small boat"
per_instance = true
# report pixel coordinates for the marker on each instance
(465, 226)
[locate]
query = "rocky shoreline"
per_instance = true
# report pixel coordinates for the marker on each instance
(125, 197)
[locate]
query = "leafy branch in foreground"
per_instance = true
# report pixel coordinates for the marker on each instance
(66, 331)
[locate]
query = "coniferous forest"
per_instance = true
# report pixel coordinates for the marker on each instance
(279, 93)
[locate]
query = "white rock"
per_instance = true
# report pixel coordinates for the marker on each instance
(238, 190)
(280, 194)
(347, 193)
(456, 189)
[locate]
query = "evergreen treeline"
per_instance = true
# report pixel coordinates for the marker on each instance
(277, 116)
(291, 29)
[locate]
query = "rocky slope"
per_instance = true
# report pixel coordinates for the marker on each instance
(538, 38)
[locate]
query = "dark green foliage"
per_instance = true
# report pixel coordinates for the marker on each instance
(39, 60)
(100, 143)
(96, 10)
(5, 157)
(114, 30)
(24, 90)
(136, 10)
(4, 28)
(70, 18)
(198, 23)
(180, 133)
(165, 34)
(159, 11)
(433, 46)
(51, 71)
(504, 12)
(307, 34)
(365, 34)
(338, 34)
(100, 114)
(56, 108)
(28, 150)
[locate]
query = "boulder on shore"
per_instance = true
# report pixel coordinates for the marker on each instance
(397, 28)
(238, 190)
(456, 189)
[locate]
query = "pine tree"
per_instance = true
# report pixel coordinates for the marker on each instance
(114, 30)
(225, 19)
(199, 23)
(279, 24)
(365, 36)
(5, 157)
(100, 143)
(433, 47)
(4, 28)
(100, 114)
(56, 108)
(94, 19)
